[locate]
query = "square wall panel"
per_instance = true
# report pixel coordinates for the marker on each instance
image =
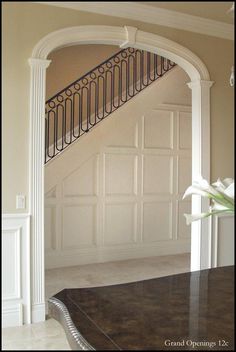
(158, 129)
(183, 230)
(157, 174)
(157, 221)
(184, 173)
(185, 130)
(79, 226)
(11, 263)
(120, 174)
(129, 136)
(120, 224)
(83, 181)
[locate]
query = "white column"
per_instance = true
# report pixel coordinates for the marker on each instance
(200, 231)
(36, 177)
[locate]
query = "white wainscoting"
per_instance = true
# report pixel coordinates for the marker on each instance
(222, 240)
(124, 199)
(15, 270)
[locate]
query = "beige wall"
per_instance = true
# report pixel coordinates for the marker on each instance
(70, 63)
(24, 24)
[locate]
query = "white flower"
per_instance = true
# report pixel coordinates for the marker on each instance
(230, 191)
(190, 218)
(221, 194)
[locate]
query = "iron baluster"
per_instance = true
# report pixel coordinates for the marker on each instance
(85, 102)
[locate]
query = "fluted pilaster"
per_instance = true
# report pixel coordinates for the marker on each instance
(37, 103)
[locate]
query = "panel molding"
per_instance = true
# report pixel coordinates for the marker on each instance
(17, 255)
(170, 237)
(12, 315)
(94, 225)
(16, 304)
(133, 237)
(126, 234)
(219, 221)
(145, 118)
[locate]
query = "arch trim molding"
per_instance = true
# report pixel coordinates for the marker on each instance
(121, 36)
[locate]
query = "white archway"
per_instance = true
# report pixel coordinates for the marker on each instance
(124, 37)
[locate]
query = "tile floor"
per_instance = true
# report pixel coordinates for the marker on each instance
(49, 335)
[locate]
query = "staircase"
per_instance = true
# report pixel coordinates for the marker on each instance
(76, 109)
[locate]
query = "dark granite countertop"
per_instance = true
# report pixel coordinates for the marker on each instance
(190, 311)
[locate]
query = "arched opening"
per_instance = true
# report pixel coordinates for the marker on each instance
(123, 37)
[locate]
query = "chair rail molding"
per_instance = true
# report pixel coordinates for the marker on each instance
(119, 36)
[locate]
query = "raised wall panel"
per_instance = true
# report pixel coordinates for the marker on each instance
(127, 139)
(16, 266)
(83, 181)
(11, 259)
(120, 224)
(157, 221)
(184, 173)
(185, 130)
(121, 199)
(120, 174)
(51, 193)
(183, 230)
(223, 240)
(79, 226)
(50, 227)
(12, 315)
(158, 129)
(157, 174)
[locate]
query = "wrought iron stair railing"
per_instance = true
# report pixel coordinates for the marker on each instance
(87, 101)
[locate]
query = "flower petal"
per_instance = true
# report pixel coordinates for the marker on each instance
(201, 183)
(194, 190)
(219, 185)
(190, 218)
(229, 191)
(217, 206)
(227, 181)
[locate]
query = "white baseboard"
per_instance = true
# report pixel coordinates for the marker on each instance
(107, 254)
(12, 315)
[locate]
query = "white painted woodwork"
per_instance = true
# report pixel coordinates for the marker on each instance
(96, 34)
(16, 307)
(222, 240)
(117, 192)
(37, 108)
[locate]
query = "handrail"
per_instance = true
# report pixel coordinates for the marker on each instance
(82, 104)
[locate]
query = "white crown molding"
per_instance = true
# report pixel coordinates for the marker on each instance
(150, 14)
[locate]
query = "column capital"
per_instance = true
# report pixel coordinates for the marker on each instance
(43, 63)
(200, 83)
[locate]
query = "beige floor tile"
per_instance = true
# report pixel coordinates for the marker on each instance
(24, 332)
(49, 343)
(49, 328)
